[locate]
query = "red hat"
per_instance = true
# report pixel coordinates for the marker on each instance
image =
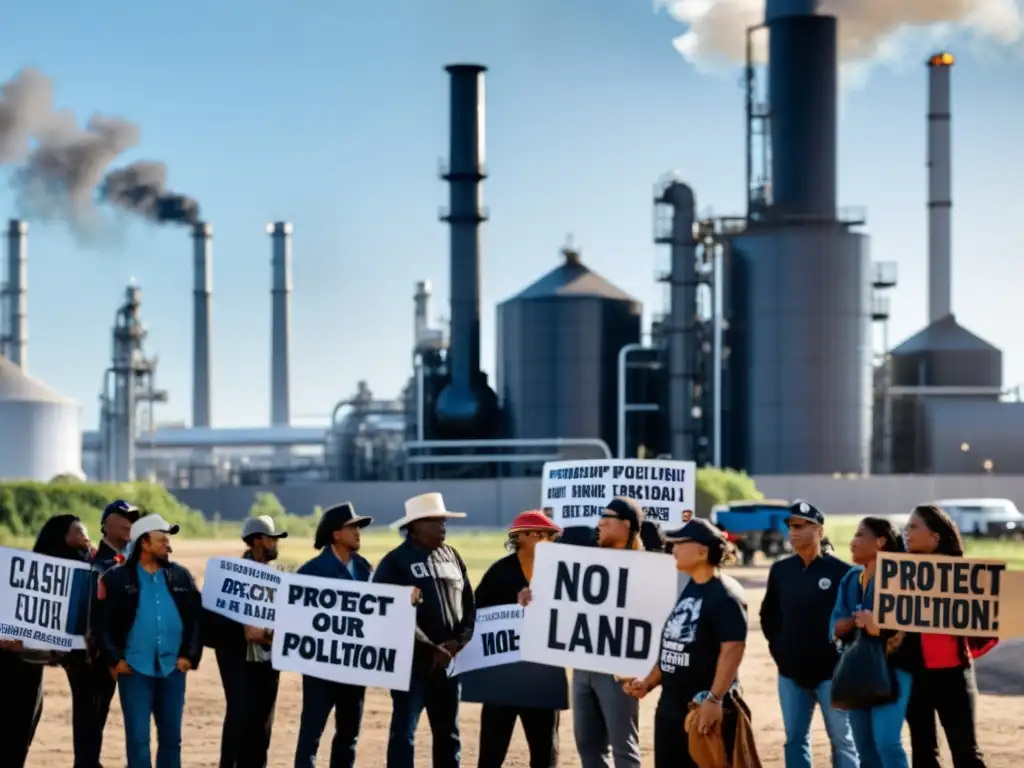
(534, 520)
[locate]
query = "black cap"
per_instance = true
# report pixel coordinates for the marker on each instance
(334, 519)
(803, 510)
(129, 512)
(699, 531)
(627, 510)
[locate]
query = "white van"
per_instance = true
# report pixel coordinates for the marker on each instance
(991, 518)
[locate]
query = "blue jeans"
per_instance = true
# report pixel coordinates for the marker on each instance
(161, 699)
(439, 695)
(878, 732)
(797, 711)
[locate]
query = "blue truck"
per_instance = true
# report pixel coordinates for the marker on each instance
(754, 526)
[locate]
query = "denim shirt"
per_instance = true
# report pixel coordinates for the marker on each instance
(154, 641)
(849, 599)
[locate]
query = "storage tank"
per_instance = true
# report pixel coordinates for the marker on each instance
(42, 435)
(801, 334)
(558, 347)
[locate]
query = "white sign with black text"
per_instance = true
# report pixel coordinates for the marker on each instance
(44, 601)
(353, 632)
(596, 609)
(241, 590)
(576, 492)
(495, 640)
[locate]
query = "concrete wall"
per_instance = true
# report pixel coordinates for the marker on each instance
(494, 503)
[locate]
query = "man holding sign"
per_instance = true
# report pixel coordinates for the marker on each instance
(444, 625)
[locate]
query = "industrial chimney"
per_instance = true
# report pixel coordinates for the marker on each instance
(421, 301)
(202, 239)
(466, 404)
(16, 294)
(803, 79)
(280, 321)
(940, 189)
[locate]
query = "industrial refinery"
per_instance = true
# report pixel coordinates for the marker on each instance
(762, 361)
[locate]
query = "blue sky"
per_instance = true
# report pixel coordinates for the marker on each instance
(333, 115)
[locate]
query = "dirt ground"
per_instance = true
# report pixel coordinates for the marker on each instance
(1001, 711)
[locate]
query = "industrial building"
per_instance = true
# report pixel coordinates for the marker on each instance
(763, 360)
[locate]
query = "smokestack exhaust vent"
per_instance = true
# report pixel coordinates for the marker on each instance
(15, 294)
(940, 188)
(280, 322)
(202, 242)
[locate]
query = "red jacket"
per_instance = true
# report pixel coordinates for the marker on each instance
(950, 651)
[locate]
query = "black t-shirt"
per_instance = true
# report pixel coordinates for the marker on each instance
(706, 615)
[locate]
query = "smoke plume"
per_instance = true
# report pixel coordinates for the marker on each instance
(867, 28)
(61, 169)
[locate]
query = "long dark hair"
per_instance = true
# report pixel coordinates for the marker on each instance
(939, 522)
(885, 529)
(52, 537)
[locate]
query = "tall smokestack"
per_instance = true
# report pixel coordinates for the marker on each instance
(16, 294)
(461, 405)
(940, 189)
(280, 321)
(421, 300)
(803, 79)
(202, 240)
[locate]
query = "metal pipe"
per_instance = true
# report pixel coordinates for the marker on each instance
(554, 442)
(719, 294)
(280, 322)
(489, 458)
(621, 394)
(17, 294)
(947, 391)
(940, 189)
(420, 405)
(202, 238)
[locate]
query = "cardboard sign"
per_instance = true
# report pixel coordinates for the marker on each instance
(495, 642)
(577, 492)
(936, 594)
(354, 632)
(241, 590)
(44, 601)
(600, 610)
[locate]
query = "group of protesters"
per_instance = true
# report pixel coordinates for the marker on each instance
(147, 631)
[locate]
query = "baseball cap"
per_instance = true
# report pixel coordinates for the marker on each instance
(699, 531)
(152, 524)
(120, 507)
(261, 525)
(627, 510)
(803, 510)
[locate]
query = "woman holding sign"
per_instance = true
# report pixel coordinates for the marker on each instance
(702, 645)
(945, 683)
(877, 732)
(531, 693)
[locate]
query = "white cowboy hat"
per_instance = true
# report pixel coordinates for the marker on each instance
(426, 506)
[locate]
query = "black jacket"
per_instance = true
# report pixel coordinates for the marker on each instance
(447, 610)
(121, 601)
(795, 617)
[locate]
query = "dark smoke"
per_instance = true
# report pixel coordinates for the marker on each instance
(61, 169)
(142, 187)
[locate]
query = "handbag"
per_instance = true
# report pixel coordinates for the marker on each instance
(864, 678)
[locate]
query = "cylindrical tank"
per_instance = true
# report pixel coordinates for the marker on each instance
(804, 316)
(558, 348)
(41, 429)
(802, 83)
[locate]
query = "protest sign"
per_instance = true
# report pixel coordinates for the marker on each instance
(495, 640)
(936, 594)
(577, 491)
(597, 609)
(354, 632)
(44, 601)
(241, 590)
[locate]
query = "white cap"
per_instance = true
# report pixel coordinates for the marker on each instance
(152, 524)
